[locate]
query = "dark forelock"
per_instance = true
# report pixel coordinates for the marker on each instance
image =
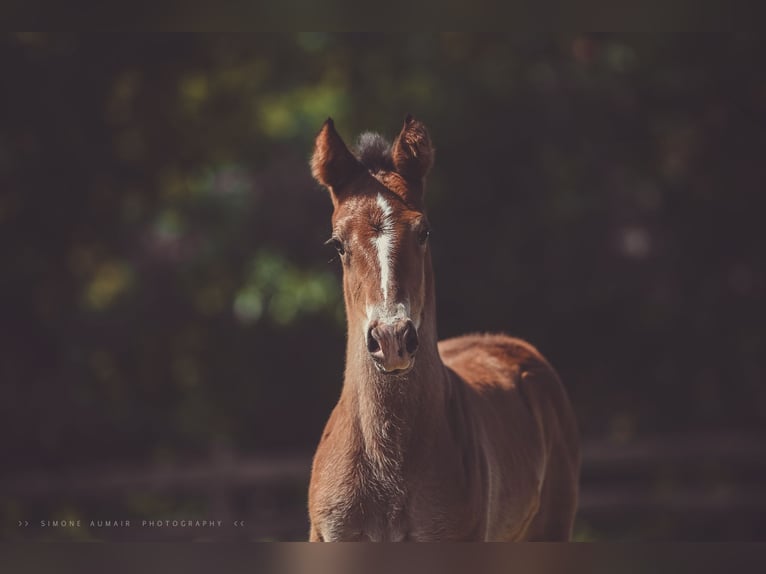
(374, 152)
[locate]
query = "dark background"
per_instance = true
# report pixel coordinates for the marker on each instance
(165, 294)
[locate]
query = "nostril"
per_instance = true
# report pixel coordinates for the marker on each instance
(411, 339)
(372, 344)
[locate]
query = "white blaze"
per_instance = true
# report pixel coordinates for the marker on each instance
(384, 246)
(383, 243)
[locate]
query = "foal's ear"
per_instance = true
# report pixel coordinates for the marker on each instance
(412, 151)
(332, 164)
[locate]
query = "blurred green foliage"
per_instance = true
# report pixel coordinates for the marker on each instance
(164, 283)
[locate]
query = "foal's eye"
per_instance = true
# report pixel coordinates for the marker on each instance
(337, 244)
(423, 235)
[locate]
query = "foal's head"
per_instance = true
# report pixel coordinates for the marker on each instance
(380, 231)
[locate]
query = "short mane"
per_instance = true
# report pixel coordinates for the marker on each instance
(374, 152)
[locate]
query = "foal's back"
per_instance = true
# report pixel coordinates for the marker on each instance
(526, 431)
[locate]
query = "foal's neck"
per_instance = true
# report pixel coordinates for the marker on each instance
(391, 410)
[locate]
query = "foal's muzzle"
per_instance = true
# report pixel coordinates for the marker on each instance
(392, 346)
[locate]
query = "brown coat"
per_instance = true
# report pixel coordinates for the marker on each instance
(471, 438)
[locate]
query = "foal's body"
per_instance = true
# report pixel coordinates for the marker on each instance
(474, 440)
(492, 457)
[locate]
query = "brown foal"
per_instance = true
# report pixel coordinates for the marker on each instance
(472, 438)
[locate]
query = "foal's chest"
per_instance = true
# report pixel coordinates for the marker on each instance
(368, 504)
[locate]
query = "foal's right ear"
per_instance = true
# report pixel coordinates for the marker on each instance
(412, 152)
(332, 164)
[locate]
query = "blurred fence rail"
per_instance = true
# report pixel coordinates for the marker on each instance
(697, 474)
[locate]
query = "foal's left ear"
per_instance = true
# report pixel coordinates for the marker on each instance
(412, 151)
(332, 164)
